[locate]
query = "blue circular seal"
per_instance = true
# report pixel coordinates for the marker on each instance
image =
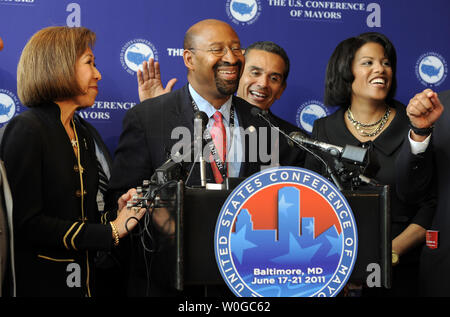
(310, 111)
(135, 52)
(9, 106)
(431, 69)
(285, 232)
(243, 12)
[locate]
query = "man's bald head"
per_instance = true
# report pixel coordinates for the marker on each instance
(201, 28)
(213, 57)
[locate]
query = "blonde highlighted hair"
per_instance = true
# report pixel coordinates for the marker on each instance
(46, 69)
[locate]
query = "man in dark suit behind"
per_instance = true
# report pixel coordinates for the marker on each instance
(214, 60)
(422, 170)
(263, 81)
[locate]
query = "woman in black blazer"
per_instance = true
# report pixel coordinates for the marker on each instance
(50, 158)
(360, 78)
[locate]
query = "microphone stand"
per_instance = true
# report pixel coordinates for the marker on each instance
(199, 147)
(329, 170)
(198, 151)
(335, 173)
(202, 171)
(332, 172)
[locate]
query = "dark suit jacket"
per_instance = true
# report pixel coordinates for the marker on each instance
(4, 231)
(144, 145)
(383, 152)
(418, 176)
(49, 230)
(289, 156)
(98, 140)
(145, 142)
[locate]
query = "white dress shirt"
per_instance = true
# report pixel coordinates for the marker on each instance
(234, 148)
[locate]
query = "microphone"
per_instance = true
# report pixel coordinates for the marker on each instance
(170, 169)
(200, 121)
(291, 140)
(263, 114)
(350, 153)
(203, 117)
(255, 111)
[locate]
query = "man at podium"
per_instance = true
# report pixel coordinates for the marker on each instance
(214, 61)
(263, 81)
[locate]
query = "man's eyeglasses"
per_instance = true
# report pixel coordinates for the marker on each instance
(236, 51)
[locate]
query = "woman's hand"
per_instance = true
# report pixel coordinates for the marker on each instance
(127, 217)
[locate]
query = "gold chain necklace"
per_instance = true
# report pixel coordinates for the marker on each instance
(370, 129)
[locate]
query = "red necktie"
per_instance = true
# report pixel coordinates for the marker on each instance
(219, 136)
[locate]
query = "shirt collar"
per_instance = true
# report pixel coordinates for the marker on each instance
(205, 106)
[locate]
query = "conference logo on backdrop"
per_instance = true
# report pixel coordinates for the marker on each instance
(308, 112)
(9, 106)
(331, 11)
(18, 2)
(431, 69)
(105, 110)
(135, 52)
(243, 12)
(286, 232)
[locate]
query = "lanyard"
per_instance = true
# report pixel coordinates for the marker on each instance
(208, 139)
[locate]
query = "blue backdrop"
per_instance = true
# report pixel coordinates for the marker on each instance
(132, 30)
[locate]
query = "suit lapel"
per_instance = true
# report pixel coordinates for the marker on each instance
(183, 115)
(183, 112)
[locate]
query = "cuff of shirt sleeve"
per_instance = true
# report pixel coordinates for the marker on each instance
(418, 147)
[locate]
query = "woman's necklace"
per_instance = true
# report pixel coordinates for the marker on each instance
(72, 136)
(74, 143)
(369, 129)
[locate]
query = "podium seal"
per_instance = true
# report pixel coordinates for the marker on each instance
(285, 232)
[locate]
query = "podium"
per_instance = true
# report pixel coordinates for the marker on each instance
(197, 209)
(371, 210)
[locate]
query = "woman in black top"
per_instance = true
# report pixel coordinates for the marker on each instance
(50, 158)
(360, 78)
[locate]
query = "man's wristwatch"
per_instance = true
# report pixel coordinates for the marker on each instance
(421, 131)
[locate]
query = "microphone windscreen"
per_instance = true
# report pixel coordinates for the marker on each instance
(292, 135)
(203, 116)
(297, 136)
(255, 111)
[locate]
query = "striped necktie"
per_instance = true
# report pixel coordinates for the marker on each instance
(219, 136)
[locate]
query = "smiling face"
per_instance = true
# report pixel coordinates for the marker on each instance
(373, 74)
(262, 81)
(213, 77)
(87, 78)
